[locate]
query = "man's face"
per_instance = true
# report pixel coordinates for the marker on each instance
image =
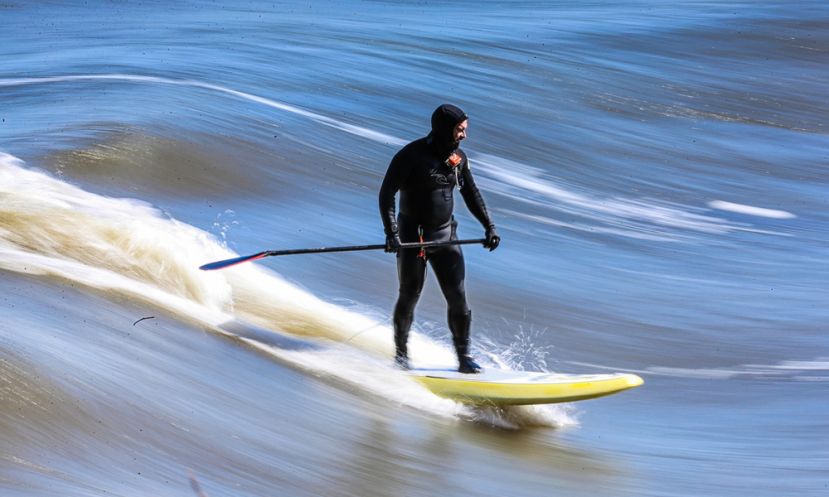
(459, 133)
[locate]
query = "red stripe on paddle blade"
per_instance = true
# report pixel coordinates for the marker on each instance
(232, 262)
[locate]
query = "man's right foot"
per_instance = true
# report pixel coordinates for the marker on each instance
(467, 365)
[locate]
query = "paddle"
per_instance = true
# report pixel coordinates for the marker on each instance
(270, 253)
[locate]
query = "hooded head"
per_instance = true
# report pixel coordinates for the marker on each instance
(444, 120)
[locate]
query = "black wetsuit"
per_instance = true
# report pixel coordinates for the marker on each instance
(426, 181)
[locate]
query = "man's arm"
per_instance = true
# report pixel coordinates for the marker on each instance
(395, 175)
(472, 196)
(475, 203)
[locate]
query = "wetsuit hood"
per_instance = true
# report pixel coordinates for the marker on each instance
(444, 120)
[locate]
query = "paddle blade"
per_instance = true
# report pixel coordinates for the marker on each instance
(232, 262)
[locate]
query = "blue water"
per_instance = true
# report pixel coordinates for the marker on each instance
(656, 171)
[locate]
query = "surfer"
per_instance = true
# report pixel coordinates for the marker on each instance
(425, 172)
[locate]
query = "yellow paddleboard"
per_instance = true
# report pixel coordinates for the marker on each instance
(501, 387)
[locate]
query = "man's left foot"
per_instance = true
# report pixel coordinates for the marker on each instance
(467, 365)
(401, 362)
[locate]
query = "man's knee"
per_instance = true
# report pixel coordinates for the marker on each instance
(406, 300)
(456, 301)
(410, 291)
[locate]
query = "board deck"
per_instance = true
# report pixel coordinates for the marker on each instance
(502, 387)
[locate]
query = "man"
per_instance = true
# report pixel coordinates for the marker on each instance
(425, 172)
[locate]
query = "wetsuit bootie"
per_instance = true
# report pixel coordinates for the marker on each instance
(401, 362)
(459, 324)
(467, 365)
(401, 338)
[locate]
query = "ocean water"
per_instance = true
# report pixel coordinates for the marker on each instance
(657, 171)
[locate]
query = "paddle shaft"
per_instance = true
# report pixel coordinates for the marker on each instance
(354, 248)
(271, 253)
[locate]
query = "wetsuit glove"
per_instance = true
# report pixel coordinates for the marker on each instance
(492, 238)
(392, 239)
(392, 243)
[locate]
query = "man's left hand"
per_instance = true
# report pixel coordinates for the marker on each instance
(492, 238)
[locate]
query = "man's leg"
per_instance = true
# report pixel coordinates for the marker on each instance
(449, 268)
(411, 273)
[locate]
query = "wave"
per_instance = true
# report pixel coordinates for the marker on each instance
(134, 78)
(638, 218)
(814, 370)
(124, 246)
(634, 218)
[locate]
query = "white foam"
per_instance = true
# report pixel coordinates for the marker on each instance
(706, 373)
(102, 279)
(819, 364)
(790, 369)
(750, 210)
(637, 218)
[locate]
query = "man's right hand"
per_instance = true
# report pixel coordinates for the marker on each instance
(393, 243)
(492, 238)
